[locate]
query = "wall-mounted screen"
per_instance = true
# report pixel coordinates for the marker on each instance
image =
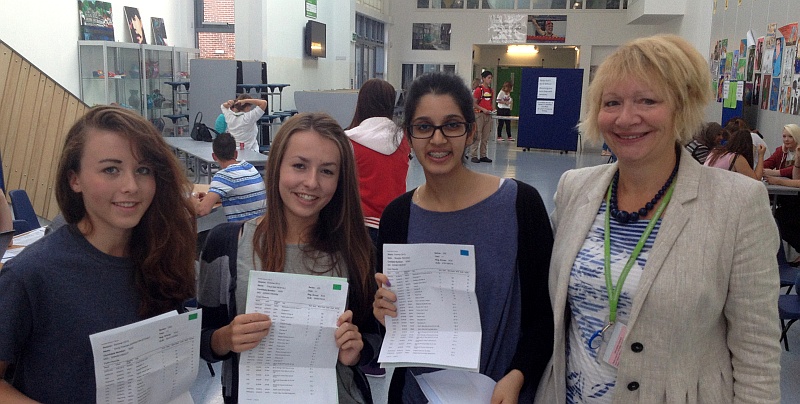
(315, 39)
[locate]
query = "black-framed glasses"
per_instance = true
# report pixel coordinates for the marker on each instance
(450, 129)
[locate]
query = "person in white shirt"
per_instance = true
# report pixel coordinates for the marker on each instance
(242, 116)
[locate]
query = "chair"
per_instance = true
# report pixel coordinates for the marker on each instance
(788, 309)
(788, 274)
(21, 226)
(22, 208)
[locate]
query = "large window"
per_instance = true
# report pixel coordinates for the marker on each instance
(214, 26)
(369, 59)
(412, 71)
(525, 4)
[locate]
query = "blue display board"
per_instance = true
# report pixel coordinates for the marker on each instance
(542, 130)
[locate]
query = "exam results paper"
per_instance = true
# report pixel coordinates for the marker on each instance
(150, 361)
(296, 361)
(437, 323)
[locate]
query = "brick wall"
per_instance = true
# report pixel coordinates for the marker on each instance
(217, 45)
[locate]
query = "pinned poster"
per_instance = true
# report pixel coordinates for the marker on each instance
(730, 98)
(544, 107)
(547, 88)
(739, 90)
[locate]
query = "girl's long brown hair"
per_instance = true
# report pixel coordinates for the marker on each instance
(163, 244)
(340, 230)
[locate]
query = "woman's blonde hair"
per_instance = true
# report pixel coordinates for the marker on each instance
(793, 130)
(671, 66)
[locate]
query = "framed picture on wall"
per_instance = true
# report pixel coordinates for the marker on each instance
(159, 32)
(135, 25)
(427, 36)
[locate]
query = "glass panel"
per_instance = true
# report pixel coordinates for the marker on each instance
(577, 5)
(523, 4)
(450, 3)
(472, 3)
(449, 69)
(93, 75)
(498, 4)
(125, 90)
(550, 4)
(379, 61)
(157, 70)
(625, 4)
(423, 3)
(602, 4)
(407, 75)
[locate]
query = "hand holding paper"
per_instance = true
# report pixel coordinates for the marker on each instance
(384, 300)
(242, 334)
(348, 339)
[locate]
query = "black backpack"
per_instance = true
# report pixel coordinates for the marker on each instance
(200, 131)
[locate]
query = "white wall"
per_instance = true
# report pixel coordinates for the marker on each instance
(585, 29)
(733, 24)
(281, 25)
(46, 32)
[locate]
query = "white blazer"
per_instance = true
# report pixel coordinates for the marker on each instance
(705, 312)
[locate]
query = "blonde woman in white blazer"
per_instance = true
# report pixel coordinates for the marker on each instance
(696, 316)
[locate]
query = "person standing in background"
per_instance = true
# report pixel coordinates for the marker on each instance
(484, 100)
(504, 105)
(381, 160)
(241, 116)
(380, 150)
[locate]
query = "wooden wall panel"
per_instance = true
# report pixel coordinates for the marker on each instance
(35, 115)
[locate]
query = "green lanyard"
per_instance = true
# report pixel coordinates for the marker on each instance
(614, 291)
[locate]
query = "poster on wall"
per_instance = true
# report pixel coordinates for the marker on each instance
(95, 19)
(766, 91)
(751, 55)
(794, 104)
(427, 36)
(135, 25)
(774, 93)
(759, 52)
(507, 28)
(756, 89)
(159, 31)
(547, 28)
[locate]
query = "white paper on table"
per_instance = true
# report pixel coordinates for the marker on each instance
(438, 323)
(21, 241)
(296, 361)
(456, 386)
(150, 361)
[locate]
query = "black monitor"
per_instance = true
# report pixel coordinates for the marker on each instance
(315, 39)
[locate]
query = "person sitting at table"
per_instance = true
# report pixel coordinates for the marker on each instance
(737, 155)
(238, 184)
(126, 254)
(787, 209)
(705, 140)
(241, 116)
(779, 164)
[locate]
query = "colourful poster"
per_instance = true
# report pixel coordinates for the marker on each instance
(730, 98)
(766, 90)
(774, 93)
(789, 32)
(135, 25)
(547, 28)
(95, 19)
(159, 31)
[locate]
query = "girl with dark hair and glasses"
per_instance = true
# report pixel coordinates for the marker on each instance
(511, 235)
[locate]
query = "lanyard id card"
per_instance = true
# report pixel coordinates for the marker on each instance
(611, 345)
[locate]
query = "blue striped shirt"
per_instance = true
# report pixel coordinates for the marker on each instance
(241, 190)
(587, 380)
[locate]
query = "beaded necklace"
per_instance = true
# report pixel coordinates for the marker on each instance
(626, 217)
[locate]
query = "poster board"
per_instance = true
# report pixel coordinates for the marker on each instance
(550, 107)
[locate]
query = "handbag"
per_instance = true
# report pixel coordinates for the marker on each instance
(200, 131)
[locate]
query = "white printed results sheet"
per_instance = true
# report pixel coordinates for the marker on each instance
(437, 323)
(150, 361)
(296, 361)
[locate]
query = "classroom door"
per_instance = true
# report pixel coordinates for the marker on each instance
(512, 74)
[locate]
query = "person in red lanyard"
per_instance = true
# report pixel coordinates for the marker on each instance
(484, 98)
